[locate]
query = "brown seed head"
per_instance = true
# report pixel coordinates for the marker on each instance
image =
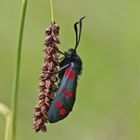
(48, 77)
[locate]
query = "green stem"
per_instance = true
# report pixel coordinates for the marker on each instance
(52, 15)
(5, 111)
(17, 70)
(8, 128)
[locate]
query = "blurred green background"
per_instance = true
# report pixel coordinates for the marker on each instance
(108, 95)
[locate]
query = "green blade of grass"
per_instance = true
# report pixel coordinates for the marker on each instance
(17, 70)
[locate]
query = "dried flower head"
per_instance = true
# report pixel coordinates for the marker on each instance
(48, 77)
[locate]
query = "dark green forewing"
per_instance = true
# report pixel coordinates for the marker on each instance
(65, 97)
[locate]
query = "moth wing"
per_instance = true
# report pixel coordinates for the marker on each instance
(65, 97)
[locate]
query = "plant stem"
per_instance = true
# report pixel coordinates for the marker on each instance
(52, 15)
(8, 128)
(6, 113)
(17, 70)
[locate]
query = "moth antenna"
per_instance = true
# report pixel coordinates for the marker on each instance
(76, 34)
(76, 31)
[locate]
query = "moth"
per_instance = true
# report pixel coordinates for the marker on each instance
(70, 69)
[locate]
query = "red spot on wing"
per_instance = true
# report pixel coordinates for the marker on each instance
(69, 94)
(72, 74)
(63, 90)
(58, 104)
(62, 111)
(67, 72)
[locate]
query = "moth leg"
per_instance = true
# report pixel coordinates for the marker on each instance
(59, 51)
(61, 69)
(61, 58)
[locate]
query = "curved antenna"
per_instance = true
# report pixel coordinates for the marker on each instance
(76, 31)
(80, 26)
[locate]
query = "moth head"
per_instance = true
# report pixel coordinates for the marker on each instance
(70, 53)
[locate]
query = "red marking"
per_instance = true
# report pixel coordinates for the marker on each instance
(63, 90)
(72, 74)
(67, 72)
(58, 104)
(69, 94)
(62, 111)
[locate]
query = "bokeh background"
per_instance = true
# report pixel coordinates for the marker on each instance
(108, 95)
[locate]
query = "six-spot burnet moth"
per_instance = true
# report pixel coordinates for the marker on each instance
(70, 69)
